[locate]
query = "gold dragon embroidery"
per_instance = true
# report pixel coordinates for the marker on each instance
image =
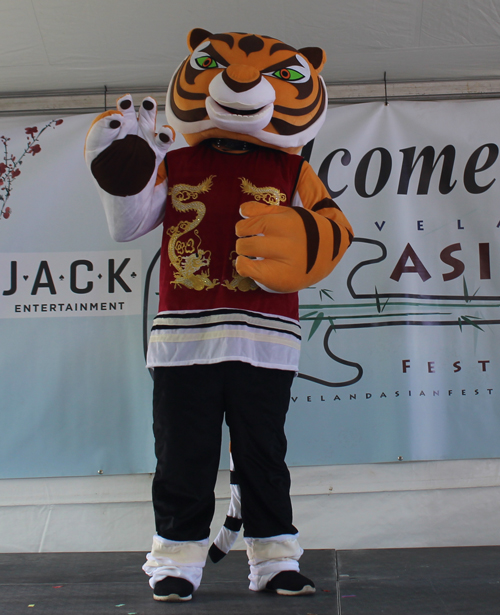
(184, 256)
(270, 195)
(239, 282)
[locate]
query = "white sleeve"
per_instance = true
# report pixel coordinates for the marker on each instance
(130, 217)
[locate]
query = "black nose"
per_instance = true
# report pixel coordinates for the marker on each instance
(239, 86)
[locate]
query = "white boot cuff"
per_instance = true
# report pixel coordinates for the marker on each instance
(169, 558)
(269, 556)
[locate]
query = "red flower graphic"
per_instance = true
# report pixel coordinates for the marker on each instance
(9, 168)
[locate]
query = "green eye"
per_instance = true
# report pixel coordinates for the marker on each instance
(206, 62)
(288, 74)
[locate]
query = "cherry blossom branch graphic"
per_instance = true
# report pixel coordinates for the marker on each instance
(9, 168)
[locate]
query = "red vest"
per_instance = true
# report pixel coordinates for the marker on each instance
(206, 189)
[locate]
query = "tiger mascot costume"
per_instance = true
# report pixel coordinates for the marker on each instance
(246, 224)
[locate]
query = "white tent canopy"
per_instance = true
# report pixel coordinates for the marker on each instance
(80, 47)
(64, 55)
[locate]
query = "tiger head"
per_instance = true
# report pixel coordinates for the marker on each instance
(248, 87)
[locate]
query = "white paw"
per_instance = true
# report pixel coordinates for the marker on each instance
(124, 122)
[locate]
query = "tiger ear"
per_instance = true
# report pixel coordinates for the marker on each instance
(197, 36)
(315, 55)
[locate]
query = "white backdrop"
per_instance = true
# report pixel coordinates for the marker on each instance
(401, 360)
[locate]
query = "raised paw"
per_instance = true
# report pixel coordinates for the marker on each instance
(123, 150)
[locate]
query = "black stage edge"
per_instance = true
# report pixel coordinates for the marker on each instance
(451, 581)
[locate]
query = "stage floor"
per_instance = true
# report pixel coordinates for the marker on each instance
(459, 580)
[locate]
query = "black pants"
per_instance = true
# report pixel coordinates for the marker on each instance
(189, 405)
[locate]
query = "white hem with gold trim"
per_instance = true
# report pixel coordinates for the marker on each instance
(224, 334)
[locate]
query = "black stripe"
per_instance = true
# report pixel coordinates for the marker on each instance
(234, 477)
(213, 53)
(251, 44)
(288, 129)
(228, 323)
(226, 311)
(232, 524)
(325, 203)
(215, 553)
(185, 94)
(280, 47)
(238, 86)
(312, 236)
(191, 115)
(337, 238)
(303, 110)
(225, 38)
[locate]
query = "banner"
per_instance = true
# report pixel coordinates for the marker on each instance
(76, 397)
(399, 355)
(402, 360)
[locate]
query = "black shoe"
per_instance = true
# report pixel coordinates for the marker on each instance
(173, 589)
(291, 583)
